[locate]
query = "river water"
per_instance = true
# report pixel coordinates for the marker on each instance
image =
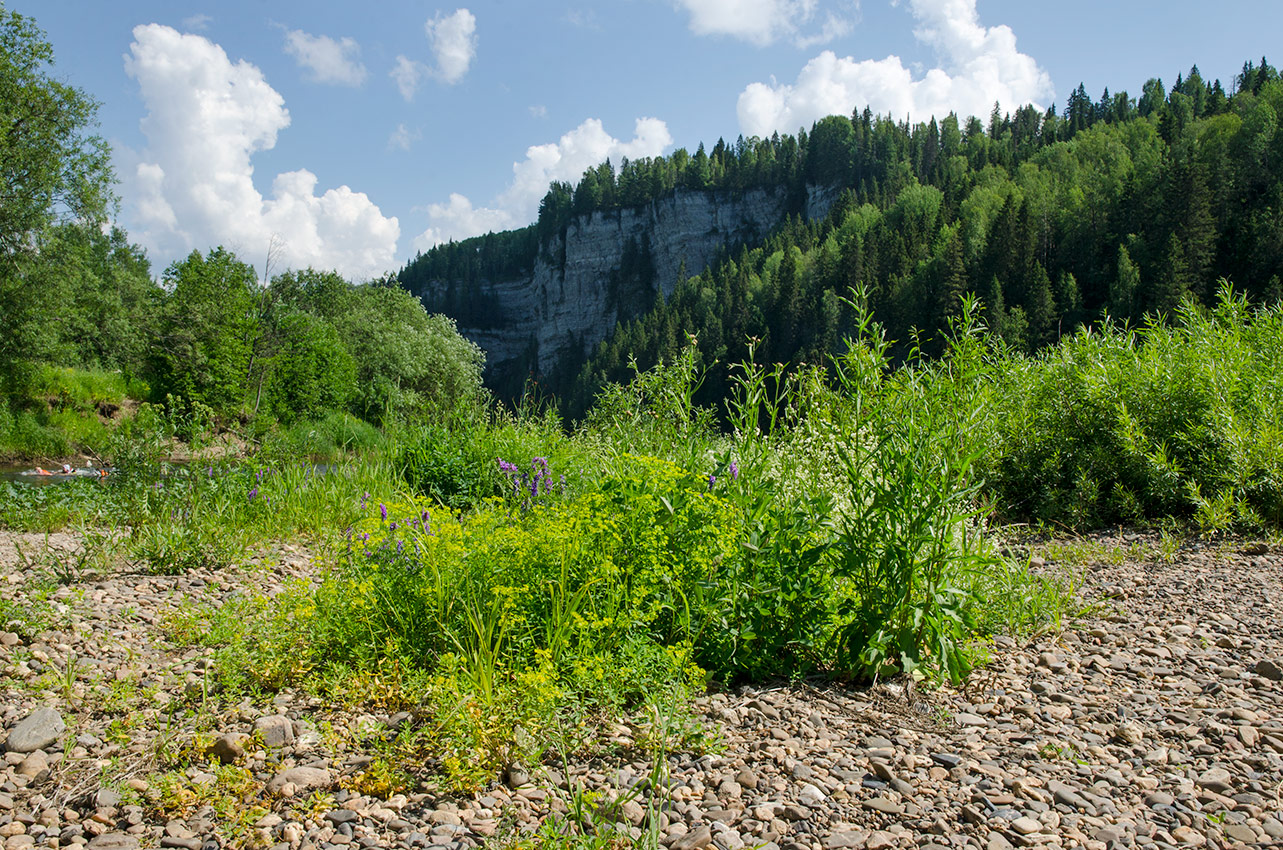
(27, 475)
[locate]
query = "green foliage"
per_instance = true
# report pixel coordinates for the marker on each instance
(207, 327)
(1055, 220)
(451, 467)
(409, 363)
(60, 412)
(655, 410)
(909, 538)
(1124, 426)
(313, 372)
(50, 162)
(332, 438)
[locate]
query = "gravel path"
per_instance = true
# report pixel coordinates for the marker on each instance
(1157, 722)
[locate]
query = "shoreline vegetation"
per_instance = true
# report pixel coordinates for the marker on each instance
(516, 602)
(507, 579)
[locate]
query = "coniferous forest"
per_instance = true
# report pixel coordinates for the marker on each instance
(1122, 205)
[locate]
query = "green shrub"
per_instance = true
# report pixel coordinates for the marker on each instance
(450, 466)
(1169, 421)
(910, 535)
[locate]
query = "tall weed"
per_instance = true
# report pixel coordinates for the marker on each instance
(911, 531)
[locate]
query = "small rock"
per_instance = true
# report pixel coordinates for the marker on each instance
(303, 780)
(884, 805)
(181, 843)
(1026, 825)
(276, 730)
(228, 748)
(1129, 733)
(811, 795)
(1216, 779)
(35, 767)
(633, 812)
(38, 730)
(848, 840)
(339, 816)
(697, 839)
(1270, 669)
(880, 840)
(1188, 837)
(998, 841)
(114, 841)
(1239, 832)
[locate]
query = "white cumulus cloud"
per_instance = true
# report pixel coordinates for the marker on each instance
(565, 159)
(192, 187)
(453, 39)
(329, 61)
(979, 66)
(763, 22)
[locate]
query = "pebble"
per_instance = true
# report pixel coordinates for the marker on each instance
(1156, 724)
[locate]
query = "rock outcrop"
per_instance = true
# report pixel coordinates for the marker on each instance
(608, 265)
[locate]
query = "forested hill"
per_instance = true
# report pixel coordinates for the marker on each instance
(1123, 204)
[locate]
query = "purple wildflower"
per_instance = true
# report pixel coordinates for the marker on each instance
(735, 471)
(400, 547)
(712, 479)
(534, 487)
(366, 536)
(365, 497)
(252, 494)
(383, 510)
(392, 527)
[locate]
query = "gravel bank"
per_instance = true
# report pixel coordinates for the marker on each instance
(1156, 722)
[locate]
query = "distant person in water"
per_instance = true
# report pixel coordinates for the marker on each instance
(66, 469)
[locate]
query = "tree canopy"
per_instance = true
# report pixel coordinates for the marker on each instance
(52, 165)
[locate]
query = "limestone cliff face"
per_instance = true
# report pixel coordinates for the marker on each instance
(608, 265)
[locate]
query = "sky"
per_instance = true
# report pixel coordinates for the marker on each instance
(353, 135)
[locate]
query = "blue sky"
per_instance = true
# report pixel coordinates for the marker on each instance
(357, 134)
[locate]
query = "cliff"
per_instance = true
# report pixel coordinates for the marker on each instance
(607, 266)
